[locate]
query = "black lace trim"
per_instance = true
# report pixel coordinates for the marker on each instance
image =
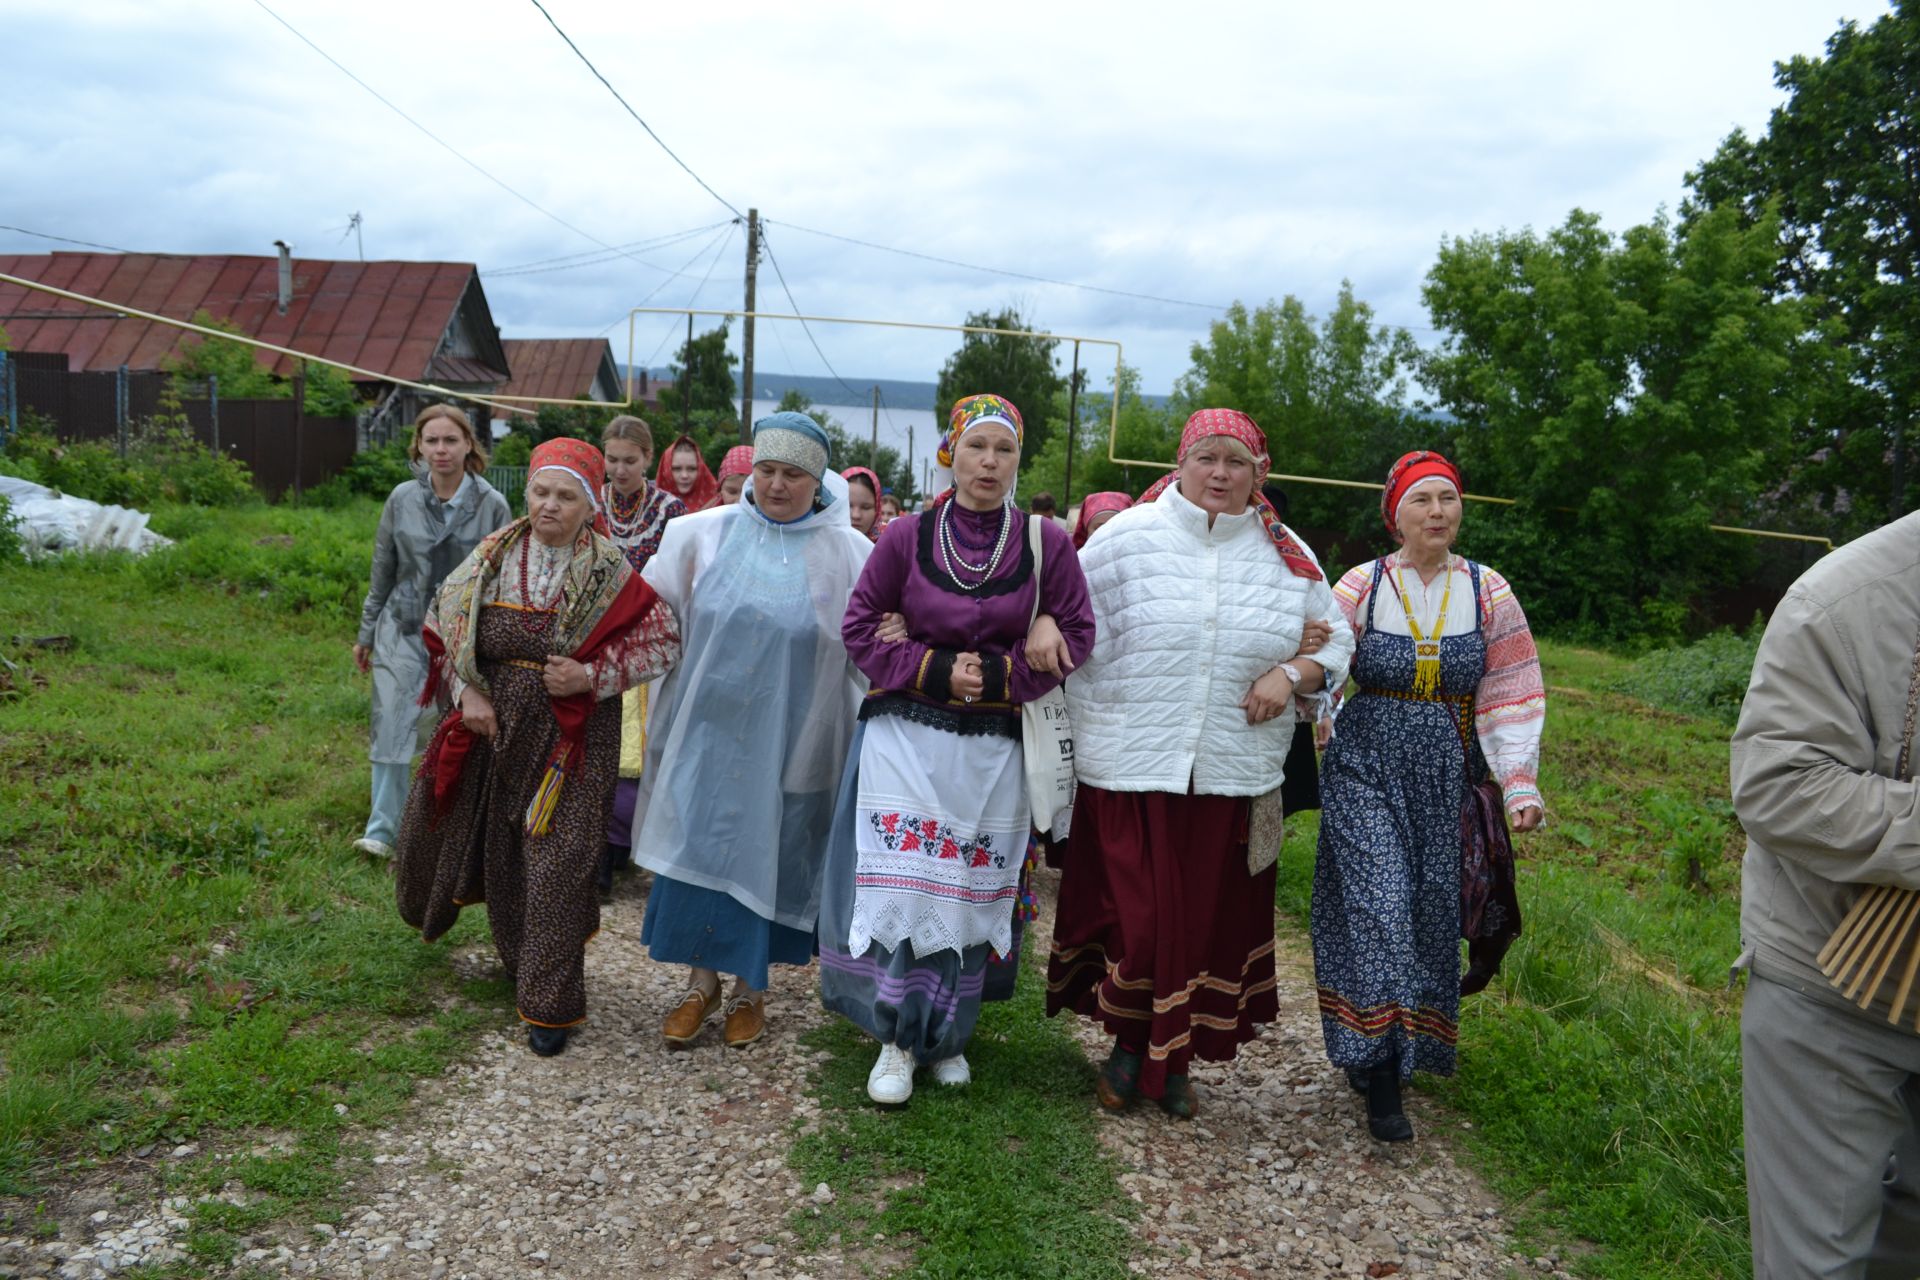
(968, 724)
(998, 586)
(936, 680)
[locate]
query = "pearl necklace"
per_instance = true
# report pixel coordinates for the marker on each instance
(623, 529)
(953, 559)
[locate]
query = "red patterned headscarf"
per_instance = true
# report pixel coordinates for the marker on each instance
(1204, 425)
(737, 462)
(581, 461)
(704, 485)
(1092, 505)
(1410, 470)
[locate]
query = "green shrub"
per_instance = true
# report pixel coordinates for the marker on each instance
(1706, 678)
(373, 473)
(12, 545)
(514, 451)
(164, 463)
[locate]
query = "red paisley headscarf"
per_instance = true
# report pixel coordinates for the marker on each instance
(737, 461)
(1410, 470)
(704, 485)
(1204, 425)
(581, 461)
(1092, 505)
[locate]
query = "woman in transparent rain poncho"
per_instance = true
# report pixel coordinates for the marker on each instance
(748, 734)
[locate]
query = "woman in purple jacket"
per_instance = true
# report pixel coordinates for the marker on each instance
(929, 838)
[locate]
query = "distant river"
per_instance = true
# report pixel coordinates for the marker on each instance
(894, 425)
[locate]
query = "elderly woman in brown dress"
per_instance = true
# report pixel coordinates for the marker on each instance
(537, 634)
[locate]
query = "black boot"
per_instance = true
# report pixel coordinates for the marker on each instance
(1385, 1120)
(606, 871)
(1357, 1078)
(546, 1041)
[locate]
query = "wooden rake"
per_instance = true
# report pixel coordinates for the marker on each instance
(1880, 927)
(1860, 955)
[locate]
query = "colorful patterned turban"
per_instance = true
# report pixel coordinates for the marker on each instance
(575, 457)
(1412, 469)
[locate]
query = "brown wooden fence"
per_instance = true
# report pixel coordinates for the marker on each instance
(283, 448)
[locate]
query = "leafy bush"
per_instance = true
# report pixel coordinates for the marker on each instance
(329, 391)
(1706, 678)
(12, 547)
(294, 560)
(163, 464)
(514, 451)
(373, 473)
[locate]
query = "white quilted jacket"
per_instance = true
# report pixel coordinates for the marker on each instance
(1187, 618)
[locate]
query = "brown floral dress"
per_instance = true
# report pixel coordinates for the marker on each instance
(539, 890)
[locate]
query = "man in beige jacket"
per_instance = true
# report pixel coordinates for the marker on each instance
(1822, 781)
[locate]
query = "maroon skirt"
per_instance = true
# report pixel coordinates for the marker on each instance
(1161, 934)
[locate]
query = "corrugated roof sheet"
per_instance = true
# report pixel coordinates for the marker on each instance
(556, 368)
(389, 317)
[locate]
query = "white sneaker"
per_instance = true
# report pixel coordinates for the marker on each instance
(952, 1070)
(373, 848)
(890, 1083)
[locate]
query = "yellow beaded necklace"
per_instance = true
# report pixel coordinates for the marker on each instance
(1426, 648)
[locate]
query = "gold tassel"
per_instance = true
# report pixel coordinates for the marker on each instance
(545, 800)
(1426, 668)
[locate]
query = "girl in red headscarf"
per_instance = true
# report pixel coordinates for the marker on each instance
(535, 635)
(1434, 753)
(683, 473)
(735, 467)
(863, 501)
(1095, 510)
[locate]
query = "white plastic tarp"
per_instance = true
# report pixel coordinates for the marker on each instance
(52, 522)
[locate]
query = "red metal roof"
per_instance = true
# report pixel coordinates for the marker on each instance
(388, 317)
(556, 368)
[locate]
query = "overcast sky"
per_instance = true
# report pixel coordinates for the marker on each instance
(1205, 152)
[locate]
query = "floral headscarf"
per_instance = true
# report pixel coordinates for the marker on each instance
(1208, 423)
(970, 412)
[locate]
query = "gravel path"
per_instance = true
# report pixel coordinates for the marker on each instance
(623, 1158)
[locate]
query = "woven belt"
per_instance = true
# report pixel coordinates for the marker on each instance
(1456, 699)
(526, 663)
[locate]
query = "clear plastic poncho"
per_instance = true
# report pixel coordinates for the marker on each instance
(747, 737)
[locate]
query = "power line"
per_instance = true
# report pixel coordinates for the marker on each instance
(781, 276)
(41, 235)
(719, 249)
(592, 257)
(599, 259)
(630, 111)
(448, 146)
(998, 271)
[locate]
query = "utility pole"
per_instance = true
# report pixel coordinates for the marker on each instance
(1073, 422)
(686, 381)
(746, 342)
(903, 498)
(873, 450)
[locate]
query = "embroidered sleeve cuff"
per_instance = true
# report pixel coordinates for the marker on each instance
(936, 674)
(1521, 795)
(996, 676)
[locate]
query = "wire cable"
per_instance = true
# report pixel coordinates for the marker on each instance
(601, 259)
(591, 257)
(718, 252)
(781, 276)
(448, 146)
(998, 271)
(41, 235)
(630, 111)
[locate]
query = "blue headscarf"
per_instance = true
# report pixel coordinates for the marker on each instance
(792, 438)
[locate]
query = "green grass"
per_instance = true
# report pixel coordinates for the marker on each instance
(1601, 1072)
(974, 1182)
(191, 951)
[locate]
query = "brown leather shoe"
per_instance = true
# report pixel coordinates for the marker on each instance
(683, 1024)
(746, 1020)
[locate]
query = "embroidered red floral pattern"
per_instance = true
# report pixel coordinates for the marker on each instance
(907, 833)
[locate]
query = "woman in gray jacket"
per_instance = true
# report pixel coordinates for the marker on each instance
(428, 527)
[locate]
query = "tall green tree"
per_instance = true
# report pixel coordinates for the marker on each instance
(1019, 368)
(1837, 172)
(1627, 391)
(329, 392)
(1144, 431)
(1331, 395)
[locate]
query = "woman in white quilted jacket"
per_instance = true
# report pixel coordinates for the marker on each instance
(1182, 718)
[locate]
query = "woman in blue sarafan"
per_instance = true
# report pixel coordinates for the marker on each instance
(747, 737)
